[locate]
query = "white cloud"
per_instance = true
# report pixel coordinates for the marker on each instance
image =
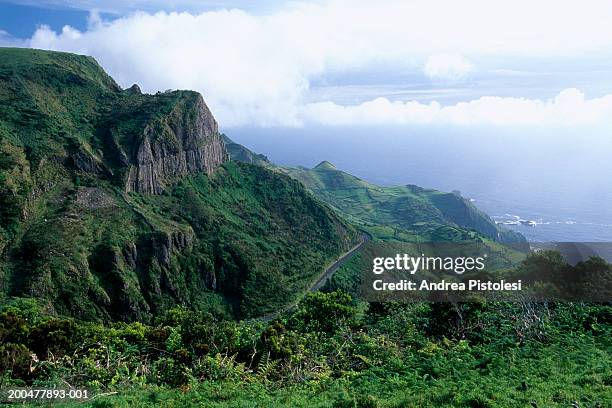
(569, 107)
(448, 67)
(256, 69)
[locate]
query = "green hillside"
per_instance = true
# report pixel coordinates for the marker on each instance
(398, 218)
(402, 213)
(399, 213)
(240, 153)
(118, 205)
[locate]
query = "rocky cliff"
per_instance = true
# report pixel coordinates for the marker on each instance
(186, 141)
(83, 223)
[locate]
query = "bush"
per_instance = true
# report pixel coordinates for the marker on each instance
(13, 327)
(169, 371)
(324, 312)
(53, 336)
(16, 359)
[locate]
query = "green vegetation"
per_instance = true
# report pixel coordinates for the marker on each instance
(153, 299)
(398, 218)
(240, 241)
(501, 261)
(330, 352)
(268, 238)
(401, 213)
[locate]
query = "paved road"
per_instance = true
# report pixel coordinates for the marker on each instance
(331, 269)
(322, 278)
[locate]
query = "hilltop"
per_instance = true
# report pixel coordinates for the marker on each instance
(324, 165)
(117, 205)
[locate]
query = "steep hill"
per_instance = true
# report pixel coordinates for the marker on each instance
(116, 204)
(400, 218)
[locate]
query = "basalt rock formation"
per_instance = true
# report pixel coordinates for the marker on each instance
(179, 144)
(119, 205)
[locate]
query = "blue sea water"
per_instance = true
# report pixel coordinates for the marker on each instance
(550, 185)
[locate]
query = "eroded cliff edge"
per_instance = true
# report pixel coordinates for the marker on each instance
(185, 141)
(119, 205)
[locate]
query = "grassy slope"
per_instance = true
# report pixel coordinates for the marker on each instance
(242, 154)
(399, 213)
(75, 239)
(403, 213)
(266, 237)
(578, 376)
(399, 216)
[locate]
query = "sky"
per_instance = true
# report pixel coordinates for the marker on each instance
(346, 63)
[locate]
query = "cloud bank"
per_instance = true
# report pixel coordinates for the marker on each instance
(256, 69)
(569, 107)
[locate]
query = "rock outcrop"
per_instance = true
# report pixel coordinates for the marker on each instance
(83, 161)
(184, 142)
(72, 142)
(168, 243)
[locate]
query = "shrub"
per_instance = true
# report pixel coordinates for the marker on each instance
(324, 312)
(16, 359)
(56, 336)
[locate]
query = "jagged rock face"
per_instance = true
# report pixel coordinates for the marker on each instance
(83, 161)
(169, 243)
(185, 142)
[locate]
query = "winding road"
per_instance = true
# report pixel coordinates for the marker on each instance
(322, 278)
(331, 269)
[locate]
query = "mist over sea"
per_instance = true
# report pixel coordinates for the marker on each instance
(551, 185)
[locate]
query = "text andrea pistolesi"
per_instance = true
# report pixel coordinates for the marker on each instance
(402, 264)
